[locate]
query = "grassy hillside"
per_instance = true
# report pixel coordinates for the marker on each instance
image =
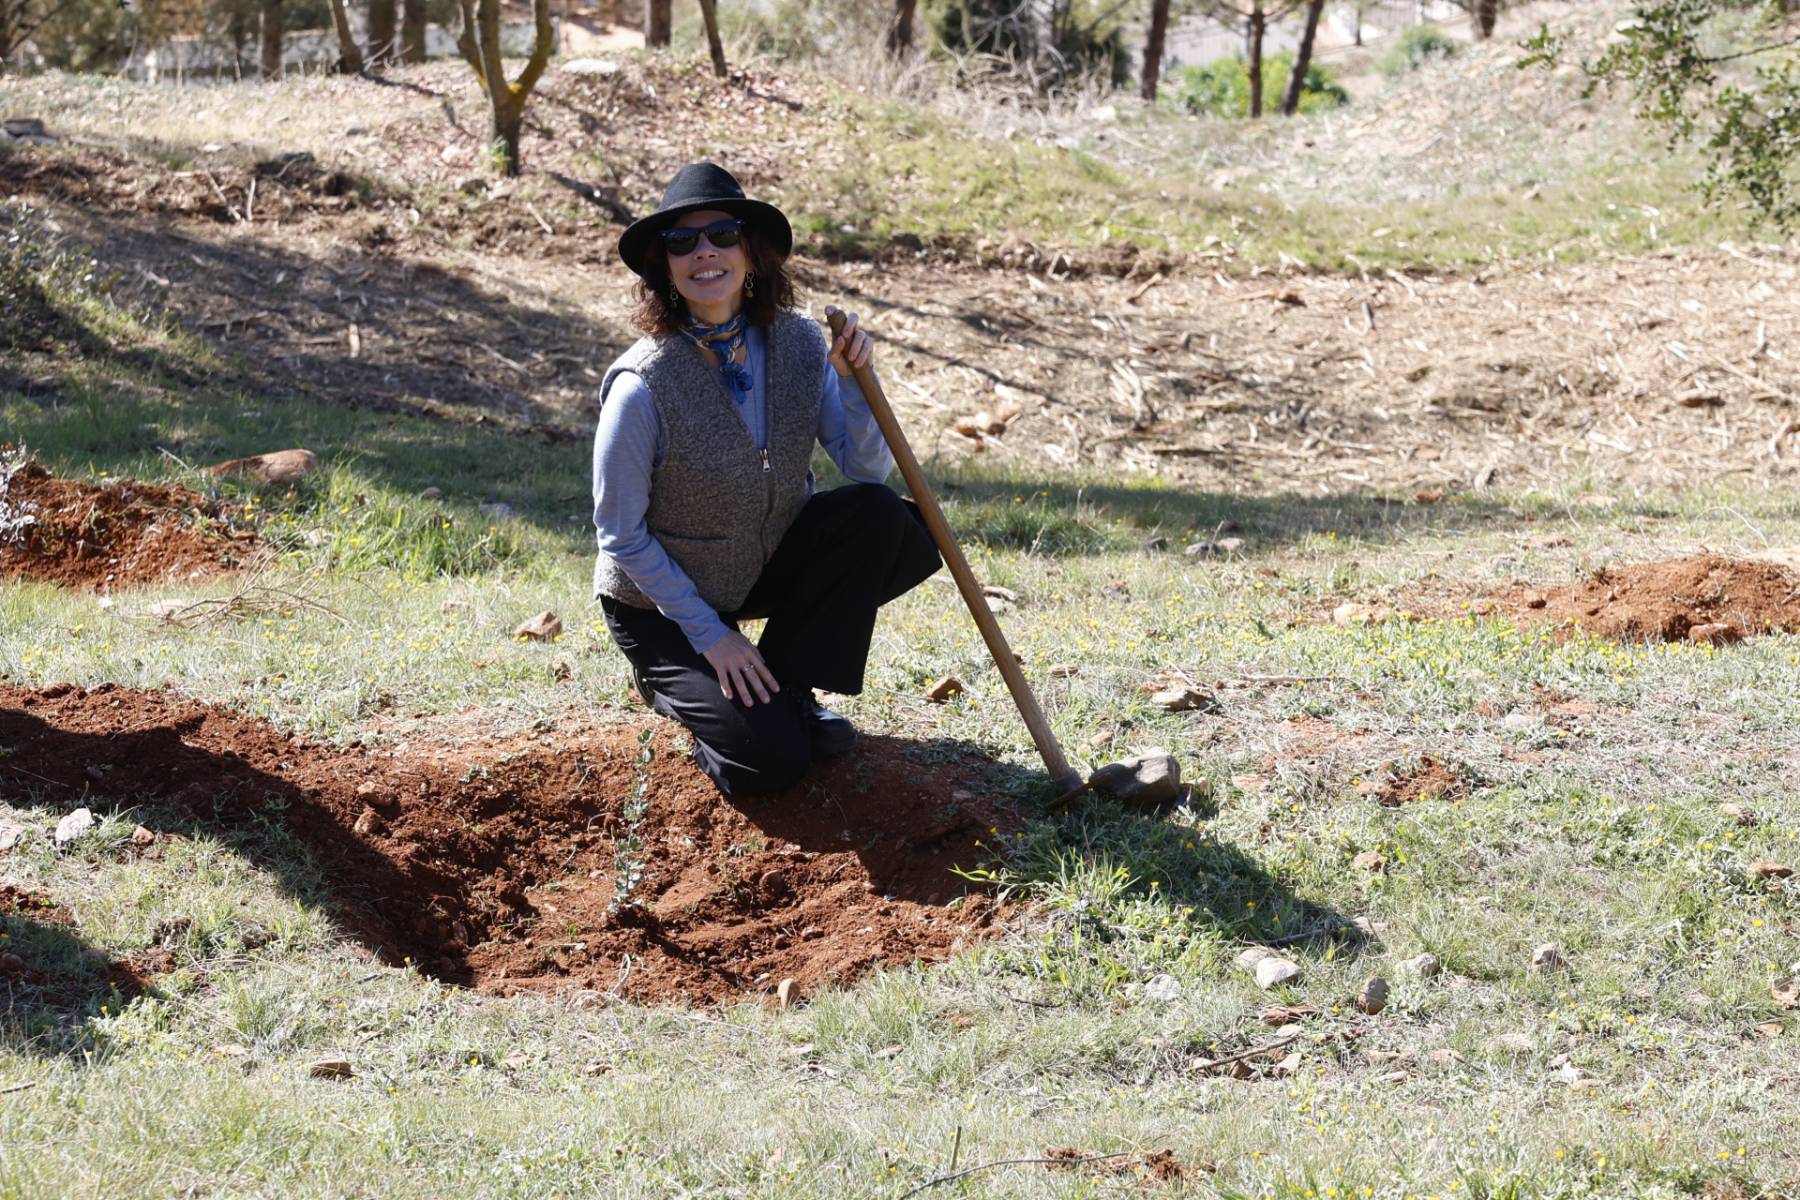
(1342, 517)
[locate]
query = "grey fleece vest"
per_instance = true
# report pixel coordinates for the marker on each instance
(718, 505)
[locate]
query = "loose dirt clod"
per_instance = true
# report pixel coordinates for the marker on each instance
(279, 466)
(119, 534)
(513, 864)
(1430, 779)
(1706, 598)
(1771, 870)
(1548, 958)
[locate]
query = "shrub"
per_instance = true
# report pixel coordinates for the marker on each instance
(1222, 88)
(1416, 47)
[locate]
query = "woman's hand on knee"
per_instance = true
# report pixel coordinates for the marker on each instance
(852, 349)
(743, 676)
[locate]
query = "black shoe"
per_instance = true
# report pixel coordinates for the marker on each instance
(832, 733)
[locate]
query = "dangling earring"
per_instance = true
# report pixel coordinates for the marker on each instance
(749, 283)
(674, 296)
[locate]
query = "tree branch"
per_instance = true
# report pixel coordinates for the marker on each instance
(540, 49)
(465, 41)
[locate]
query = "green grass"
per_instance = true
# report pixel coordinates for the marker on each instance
(1600, 832)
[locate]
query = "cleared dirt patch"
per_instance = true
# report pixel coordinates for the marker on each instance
(1671, 601)
(1428, 779)
(553, 862)
(112, 535)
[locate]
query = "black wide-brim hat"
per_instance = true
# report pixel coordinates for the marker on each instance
(695, 188)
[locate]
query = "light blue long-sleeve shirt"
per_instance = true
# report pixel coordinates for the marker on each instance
(631, 441)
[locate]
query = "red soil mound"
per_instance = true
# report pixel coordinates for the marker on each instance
(1667, 601)
(494, 863)
(83, 535)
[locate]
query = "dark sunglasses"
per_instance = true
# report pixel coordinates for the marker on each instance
(722, 234)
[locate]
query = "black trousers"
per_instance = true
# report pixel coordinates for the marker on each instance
(851, 550)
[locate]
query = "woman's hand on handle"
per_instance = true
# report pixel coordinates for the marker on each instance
(743, 676)
(851, 348)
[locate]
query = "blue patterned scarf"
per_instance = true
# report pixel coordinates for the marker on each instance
(725, 341)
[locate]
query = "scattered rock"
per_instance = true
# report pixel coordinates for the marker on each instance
(1279, 1015)
(545, 627)
(1185, 699)
(590, 68)
(1547, 959)
(1064, 671)
(1144, 781)
(11, 835)
(1274, 971)
(1163, 988)
(368, 822)
(1769, 1029)
(142, 837)
(432, 493)
(279, 466)
(73, 826)
(1443, 1056)
(1159, 542)
(1714, 634)
(28, 129)
(1249, 957)
(1424, 966)
(1361, 614)
(561, 671)
(1516, 1042)
(331, 1068)
(1370, 860)
(1373, 996)
(1429, 496)
(787, 992)
(499, 510)
(941, 691)
(1771, 870)
(1786, 992)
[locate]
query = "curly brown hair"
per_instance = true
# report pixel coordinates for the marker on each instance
(657, 314)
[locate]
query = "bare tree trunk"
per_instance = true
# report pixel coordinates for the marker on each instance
(383, 46)
(1153, 48)
(657, 22)
(1290, 104)
(1485, 17)
(350, 60)
(1258, 24)
(479, 43)
(271, 39)
(900, 33)
(709, 15)
(412, 31)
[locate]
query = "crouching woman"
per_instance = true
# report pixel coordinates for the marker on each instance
(704, 501)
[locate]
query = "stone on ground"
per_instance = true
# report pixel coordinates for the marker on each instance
(278, 466)
(1274, 971)
(73, 826)
(545, 627)
(1145, 781)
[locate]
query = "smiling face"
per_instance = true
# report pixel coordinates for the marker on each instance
(711, 280)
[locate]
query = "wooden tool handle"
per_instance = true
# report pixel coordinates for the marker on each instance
(1061, 773)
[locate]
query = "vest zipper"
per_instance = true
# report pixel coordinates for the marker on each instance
(765, 460)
